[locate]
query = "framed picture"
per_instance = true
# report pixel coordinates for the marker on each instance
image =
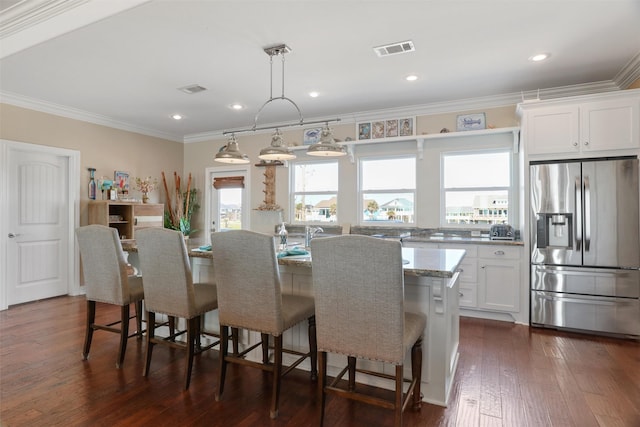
(406, 127)
(377, 130)
(471, 122)
(391, 128)
(364, 130)
(312, 136)
(121, 181)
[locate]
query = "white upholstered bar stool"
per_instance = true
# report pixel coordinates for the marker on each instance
(358, 283)
(169, 289)
(250, 297)
(104, 268)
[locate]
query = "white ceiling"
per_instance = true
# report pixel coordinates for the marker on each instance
(121, 62)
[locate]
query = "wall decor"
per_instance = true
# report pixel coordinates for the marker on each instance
(311, 136)
(377, 130)
(121, 181)
(364, 130)
(406, 127)
(391, 128)
(471, 122)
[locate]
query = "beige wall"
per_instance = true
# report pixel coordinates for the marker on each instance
(104, 148)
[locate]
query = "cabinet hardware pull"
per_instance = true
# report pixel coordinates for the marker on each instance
(461, 294)
(499, 252)
(575, 144)
(586, 143)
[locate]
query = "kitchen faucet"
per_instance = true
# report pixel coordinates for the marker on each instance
(309, 233)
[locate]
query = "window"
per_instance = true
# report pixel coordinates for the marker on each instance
(315, 195)
(388, 190)
(476, 188)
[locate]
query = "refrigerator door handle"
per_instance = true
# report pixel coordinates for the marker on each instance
(577, 300)
(587, 214)
(578, 196)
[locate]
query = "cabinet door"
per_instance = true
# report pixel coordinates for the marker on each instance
(610, 125)
(553, 130)
(499, 284)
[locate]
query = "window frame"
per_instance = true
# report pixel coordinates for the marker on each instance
(510, 189)
(360, 192)
(293, 193)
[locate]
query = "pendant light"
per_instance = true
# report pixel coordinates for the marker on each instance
(231, 153)
(327, 146)
(278, 149)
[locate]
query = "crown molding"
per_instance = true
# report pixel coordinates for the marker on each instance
(629, 73)
(30, 22)
(72, 113)
(414, 110)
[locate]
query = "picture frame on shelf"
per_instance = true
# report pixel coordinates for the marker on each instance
(391, 128)
(406, 127)
(121, 181)
(377, 130)
(311, 136)
(364, 130)
(476, 121)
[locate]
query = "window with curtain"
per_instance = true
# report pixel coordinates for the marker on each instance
(228, 200)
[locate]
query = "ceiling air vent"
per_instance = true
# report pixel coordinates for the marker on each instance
(192, 89)
(395, 48)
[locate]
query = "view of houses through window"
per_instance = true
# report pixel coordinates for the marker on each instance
(315, 195)
(387, 189)
(476, 187)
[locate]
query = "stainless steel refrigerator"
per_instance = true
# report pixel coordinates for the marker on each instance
(585, 245)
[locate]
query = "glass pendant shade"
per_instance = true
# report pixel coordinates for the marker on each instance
(278, 150)
(231, 153)
(327, 146)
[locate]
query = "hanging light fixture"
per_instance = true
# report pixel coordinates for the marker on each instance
(327, 146)
(231, 153)
(278, 149)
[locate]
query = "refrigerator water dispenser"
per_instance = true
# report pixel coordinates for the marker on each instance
(555, 230)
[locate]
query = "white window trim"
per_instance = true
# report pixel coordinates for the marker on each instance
(360, 192)
(292, 192)
(511, 189)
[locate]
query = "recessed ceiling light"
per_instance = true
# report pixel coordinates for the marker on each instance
(411, 78)
(539, 57)
(314, 94)
(236, 106)
(176, 117)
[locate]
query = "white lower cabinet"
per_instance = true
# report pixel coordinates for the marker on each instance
(489, 279)
(499, 278)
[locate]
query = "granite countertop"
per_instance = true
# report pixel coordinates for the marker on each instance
(462, 239)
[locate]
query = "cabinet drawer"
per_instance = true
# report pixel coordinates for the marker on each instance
(472, 250)
(468, 296)
(468, 270)
(499, 252)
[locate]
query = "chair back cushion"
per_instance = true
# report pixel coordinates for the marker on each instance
(166, 272)
(104, 266)
(358, 283)
(248, 280)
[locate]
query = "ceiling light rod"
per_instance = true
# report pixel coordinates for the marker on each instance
(278, 50)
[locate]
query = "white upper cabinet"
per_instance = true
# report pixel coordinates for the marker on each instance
(582, 125)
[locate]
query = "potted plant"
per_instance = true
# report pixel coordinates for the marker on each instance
(180, 206)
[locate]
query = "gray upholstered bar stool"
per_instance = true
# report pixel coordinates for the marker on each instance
(106, 280)
(358, 283)
(250, 297)
(169, 289)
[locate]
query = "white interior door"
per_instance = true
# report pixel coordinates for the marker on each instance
(38, 226)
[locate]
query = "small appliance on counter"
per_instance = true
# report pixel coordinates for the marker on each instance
(502, 232)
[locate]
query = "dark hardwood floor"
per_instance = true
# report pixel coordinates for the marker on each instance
(508, 375)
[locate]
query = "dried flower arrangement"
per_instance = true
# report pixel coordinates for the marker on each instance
(178, 214)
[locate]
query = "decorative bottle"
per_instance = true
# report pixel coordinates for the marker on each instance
(92, 184)
(283, 234)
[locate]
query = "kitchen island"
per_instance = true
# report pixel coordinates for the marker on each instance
(431, 287)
